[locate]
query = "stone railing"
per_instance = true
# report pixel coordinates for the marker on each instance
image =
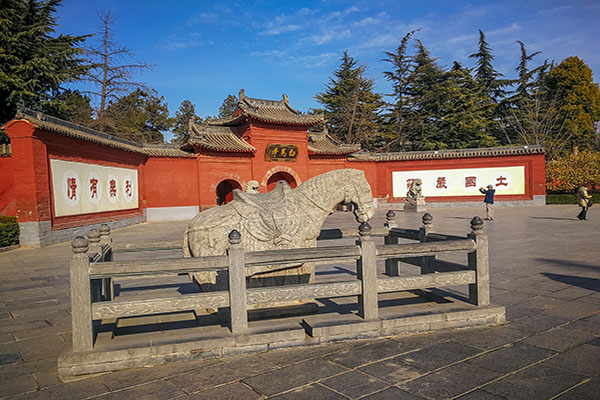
(92, 271)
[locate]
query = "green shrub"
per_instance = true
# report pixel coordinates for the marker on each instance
(568, 198)
(9, 231)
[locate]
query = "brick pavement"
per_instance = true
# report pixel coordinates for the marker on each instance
(545, 269)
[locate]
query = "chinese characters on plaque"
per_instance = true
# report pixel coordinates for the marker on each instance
(279, 152)
(461, 182)
(80, 188)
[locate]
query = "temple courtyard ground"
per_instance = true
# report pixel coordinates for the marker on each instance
(545, 268)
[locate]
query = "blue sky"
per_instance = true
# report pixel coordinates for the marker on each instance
(205, 50)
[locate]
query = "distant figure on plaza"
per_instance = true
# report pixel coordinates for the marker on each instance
(584, 201)
(489, 201)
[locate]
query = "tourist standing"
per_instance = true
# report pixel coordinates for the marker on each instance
(584, 201)
(489, 201)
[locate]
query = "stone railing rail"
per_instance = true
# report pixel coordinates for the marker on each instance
(92, 271)
(326, 234)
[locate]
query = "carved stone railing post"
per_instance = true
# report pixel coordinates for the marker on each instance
(106, 240)
(94, 242)
(425, 230)
(391, 264)
(106, 244)
(479, 292)
(366, 268)
(237, 284)
(95, 253)
(81, 301)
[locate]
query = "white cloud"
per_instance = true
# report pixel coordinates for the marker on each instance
(503, 31)
(330, 35)
(338, 14)
(174, 45)
(461, 40)
(554, 10)
(270, 53)
(277, 30)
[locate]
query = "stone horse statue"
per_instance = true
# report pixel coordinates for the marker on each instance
(284, 218)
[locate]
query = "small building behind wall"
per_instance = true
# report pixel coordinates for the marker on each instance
(66, 178)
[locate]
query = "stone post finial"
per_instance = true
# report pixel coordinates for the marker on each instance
(94, 241)
(80, 245)
(476, 225)
(104, 230)
(364, 229)
(235, 237)
(427, 219)
(390, 219)
(93, 235)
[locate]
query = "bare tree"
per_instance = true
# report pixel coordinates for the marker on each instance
(540, 122)
(113, 65)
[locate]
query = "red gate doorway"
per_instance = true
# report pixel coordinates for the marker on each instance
(225, 191)
(281, 176)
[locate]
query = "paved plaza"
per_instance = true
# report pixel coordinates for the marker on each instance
(545, 268)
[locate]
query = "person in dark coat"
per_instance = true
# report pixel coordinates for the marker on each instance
(489, 201)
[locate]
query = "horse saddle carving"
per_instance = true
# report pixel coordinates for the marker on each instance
(270, 217)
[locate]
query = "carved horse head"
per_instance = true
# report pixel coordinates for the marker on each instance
(358, 192)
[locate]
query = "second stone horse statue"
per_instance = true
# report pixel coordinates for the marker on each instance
(284, 218)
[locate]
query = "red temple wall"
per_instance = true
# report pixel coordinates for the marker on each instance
(8, 205)
(171, 182)
(534, 165)
(191, 183)
(32, 150)
(71, 149)
(261, 135)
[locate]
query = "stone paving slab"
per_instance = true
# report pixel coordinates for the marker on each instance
(544, 267)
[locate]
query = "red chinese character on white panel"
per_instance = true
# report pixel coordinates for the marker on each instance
(72, 188)
(128, 188)
(501, 181)
(112, 188)
(470, 181)
(93, 188)
(441, 183)
(409, 182)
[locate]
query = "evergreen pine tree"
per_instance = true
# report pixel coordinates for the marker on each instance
(485, 73)
(139, 116)
(33, 63)
(394, 135)
(181, 121)
(350, 105)
(228, 107)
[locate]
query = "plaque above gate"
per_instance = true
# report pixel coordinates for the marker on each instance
(281, 152)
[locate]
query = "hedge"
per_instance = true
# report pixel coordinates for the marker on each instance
(9, 231)
(568, 198)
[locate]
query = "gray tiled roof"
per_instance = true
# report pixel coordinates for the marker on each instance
(218, 138)
(444, 154)
(322, 143)
(273, 111)
(65, 128)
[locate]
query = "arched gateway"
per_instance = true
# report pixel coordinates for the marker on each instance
(281, 176)
(225, 191)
